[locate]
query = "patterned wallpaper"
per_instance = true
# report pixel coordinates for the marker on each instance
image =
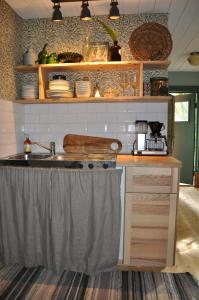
(16, 35)
(10, 50)
(71, 36)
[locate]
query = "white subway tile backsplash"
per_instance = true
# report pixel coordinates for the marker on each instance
(156, 107)
(131, 127)
(58, 108)
(116, 127)
(106, 117)
(45, 118)
(137, 107)
(19, 108)
(27, 109)
(127, 117)
(78, 108)
(31, 128)
(39, 109)
(31, 118)
(50, 122)
(96, 127)
(115, 107)
(76, 128)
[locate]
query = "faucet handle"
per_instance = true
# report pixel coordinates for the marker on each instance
(52, 148)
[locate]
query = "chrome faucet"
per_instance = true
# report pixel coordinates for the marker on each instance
(51, 147)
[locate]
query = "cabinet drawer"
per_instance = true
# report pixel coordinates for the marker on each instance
(148, 210)
(151, 180)
(145, 233)
(156, 249)
(154, 256)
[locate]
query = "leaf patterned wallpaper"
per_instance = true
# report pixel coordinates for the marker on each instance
(11, 30)
(16, 35)
(70, 36)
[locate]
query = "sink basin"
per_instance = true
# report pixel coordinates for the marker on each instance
(31, 156)
(60, 160)
(28, 160)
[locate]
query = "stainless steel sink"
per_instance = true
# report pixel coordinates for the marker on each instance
(31, 156)
(28, 160)
(60, 160)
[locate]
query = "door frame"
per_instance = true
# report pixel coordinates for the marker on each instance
(193, 90)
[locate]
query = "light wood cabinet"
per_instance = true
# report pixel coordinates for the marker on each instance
(150, 216)
(43, 71)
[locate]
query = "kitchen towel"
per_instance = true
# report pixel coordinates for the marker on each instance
(60, 219)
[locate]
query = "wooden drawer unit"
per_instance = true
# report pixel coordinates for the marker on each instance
(151, 180)
(149, 229)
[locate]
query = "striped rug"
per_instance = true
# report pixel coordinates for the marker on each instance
(17, 282)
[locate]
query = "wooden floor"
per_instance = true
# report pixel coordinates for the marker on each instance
(187, 247)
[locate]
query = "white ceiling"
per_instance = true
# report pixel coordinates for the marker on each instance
(183, 20)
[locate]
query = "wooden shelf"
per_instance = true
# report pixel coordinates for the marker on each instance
(27, 68)
(94, 66)
(122, 99)
(43, 71)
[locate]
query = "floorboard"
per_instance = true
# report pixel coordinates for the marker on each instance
(187, 246)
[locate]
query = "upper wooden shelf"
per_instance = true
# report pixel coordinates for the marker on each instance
(94, 66)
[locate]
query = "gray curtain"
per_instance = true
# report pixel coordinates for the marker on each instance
(60, 219)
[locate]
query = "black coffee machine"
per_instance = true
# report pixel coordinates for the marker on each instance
(157, 141)
(155, 144)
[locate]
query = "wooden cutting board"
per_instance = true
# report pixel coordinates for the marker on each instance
(74, 143)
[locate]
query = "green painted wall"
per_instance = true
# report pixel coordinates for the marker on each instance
(184, 78)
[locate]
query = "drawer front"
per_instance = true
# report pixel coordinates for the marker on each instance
(148, 210)
(151, 180)
(155, 256)
(149, 229)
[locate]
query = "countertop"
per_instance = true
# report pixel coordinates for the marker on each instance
(144, 161)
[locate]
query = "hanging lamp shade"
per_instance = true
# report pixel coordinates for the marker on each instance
(57, 15)
(114, 10)
(85, 12)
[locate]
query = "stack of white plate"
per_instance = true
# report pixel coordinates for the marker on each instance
(29, 92)
(59, 88)
(83, 88)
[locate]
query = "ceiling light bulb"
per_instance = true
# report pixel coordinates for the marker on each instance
(85, 12)
(193, 58)
(114, 10)
(57, 15)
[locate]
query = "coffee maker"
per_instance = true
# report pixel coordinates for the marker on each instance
(155, 144)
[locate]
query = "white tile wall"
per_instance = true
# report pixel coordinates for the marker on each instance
(50, 122)
(11, 127)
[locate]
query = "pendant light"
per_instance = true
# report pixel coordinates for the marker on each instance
(114, 10)
(85, 12)
(57, 15)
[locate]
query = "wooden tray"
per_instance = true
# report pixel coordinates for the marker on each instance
(79, 144)
(150, 41)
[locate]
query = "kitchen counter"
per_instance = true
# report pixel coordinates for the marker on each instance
(144, 161)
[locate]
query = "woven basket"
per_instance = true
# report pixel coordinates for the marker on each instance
(150, 41)
(69, 57)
